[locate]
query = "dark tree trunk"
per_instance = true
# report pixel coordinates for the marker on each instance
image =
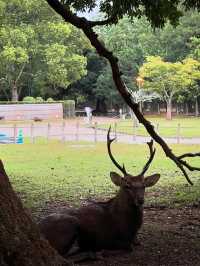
(20, 240)
(101, 106)
(196, 107)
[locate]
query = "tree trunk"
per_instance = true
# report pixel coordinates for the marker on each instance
(15, 96)
(177, 109)
(20, 240)
(186, 109)
(158, 108)
(196, 107)
(169, 110)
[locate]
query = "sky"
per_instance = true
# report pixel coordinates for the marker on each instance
(90, 15)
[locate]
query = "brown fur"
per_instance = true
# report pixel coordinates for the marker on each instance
(109, 225)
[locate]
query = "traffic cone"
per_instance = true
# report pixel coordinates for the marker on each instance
(20, 137)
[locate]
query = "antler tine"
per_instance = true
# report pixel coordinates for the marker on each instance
(109, 141)
(152, 153)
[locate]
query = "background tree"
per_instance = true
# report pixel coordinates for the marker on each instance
(157, 15)
(168, 79)
(38, 51)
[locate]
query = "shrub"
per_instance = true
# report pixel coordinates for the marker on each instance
(39, 100)
(29, 99)
(50, 100)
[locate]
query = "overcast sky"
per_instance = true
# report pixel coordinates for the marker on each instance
(90, 15)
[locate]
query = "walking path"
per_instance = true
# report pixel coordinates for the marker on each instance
(78, 131)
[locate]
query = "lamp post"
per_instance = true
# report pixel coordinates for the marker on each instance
(140, 83)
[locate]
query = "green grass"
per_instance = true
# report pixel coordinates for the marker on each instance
(72, 172)
(189, 127)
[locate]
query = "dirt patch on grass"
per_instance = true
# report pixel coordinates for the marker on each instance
(169, 236)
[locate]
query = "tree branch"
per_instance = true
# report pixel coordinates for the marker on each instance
(103, 22)
(86, 27)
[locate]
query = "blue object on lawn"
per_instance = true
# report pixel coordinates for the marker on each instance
(4, 138)
(20, 138)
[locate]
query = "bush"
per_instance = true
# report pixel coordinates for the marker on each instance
(39, 100)
(50, 100)
(29, 99)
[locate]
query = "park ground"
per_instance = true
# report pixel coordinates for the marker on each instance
(50, 176)
(169, 237)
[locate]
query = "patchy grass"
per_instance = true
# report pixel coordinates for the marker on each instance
(72, 172)
(189, 127)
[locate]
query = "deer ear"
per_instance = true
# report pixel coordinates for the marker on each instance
(116, 178)
(151, 180)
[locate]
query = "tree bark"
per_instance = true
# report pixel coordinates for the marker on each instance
(169, 109)
(15, 96)
(20, 240)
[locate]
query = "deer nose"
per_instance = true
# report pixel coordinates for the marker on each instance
(141, 201)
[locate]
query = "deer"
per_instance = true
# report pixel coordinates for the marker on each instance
(109, 225)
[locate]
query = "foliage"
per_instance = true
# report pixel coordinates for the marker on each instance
(168, 78)
(157, 12)
(39, 52)
(29, 99)
(195, 48)
(39, 100)
(49, 100)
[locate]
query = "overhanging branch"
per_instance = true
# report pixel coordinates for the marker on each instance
(87, 27)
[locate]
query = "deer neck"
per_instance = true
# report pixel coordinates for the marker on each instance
(122, 203)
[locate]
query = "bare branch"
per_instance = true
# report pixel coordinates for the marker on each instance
(103, 22)
(87, 28)
(189, 155)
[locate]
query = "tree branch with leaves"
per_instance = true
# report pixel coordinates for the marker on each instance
(157, 15)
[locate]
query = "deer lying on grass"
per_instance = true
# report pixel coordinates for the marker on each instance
(111, 225)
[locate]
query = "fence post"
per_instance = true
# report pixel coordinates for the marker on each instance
(178, 133)
(95, 132)
(115, 131)
(134, 131)
(77, 131)
(32, 133)
(157, 128)
(15, 133)
(48, 131)
(63, 131)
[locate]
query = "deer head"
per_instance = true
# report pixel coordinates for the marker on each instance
(134, 186)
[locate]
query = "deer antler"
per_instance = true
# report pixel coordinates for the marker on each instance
(109, 141)
(152, 153)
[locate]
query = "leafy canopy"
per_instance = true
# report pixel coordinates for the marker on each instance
(157, 11)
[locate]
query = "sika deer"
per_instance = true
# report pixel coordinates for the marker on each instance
(110, 225)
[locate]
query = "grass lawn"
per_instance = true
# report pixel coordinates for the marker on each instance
(72, 172)
(189, 127)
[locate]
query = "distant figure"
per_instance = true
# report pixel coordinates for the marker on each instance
(120, 113)
(88, 111)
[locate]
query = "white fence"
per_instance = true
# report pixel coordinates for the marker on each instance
(77, 131)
